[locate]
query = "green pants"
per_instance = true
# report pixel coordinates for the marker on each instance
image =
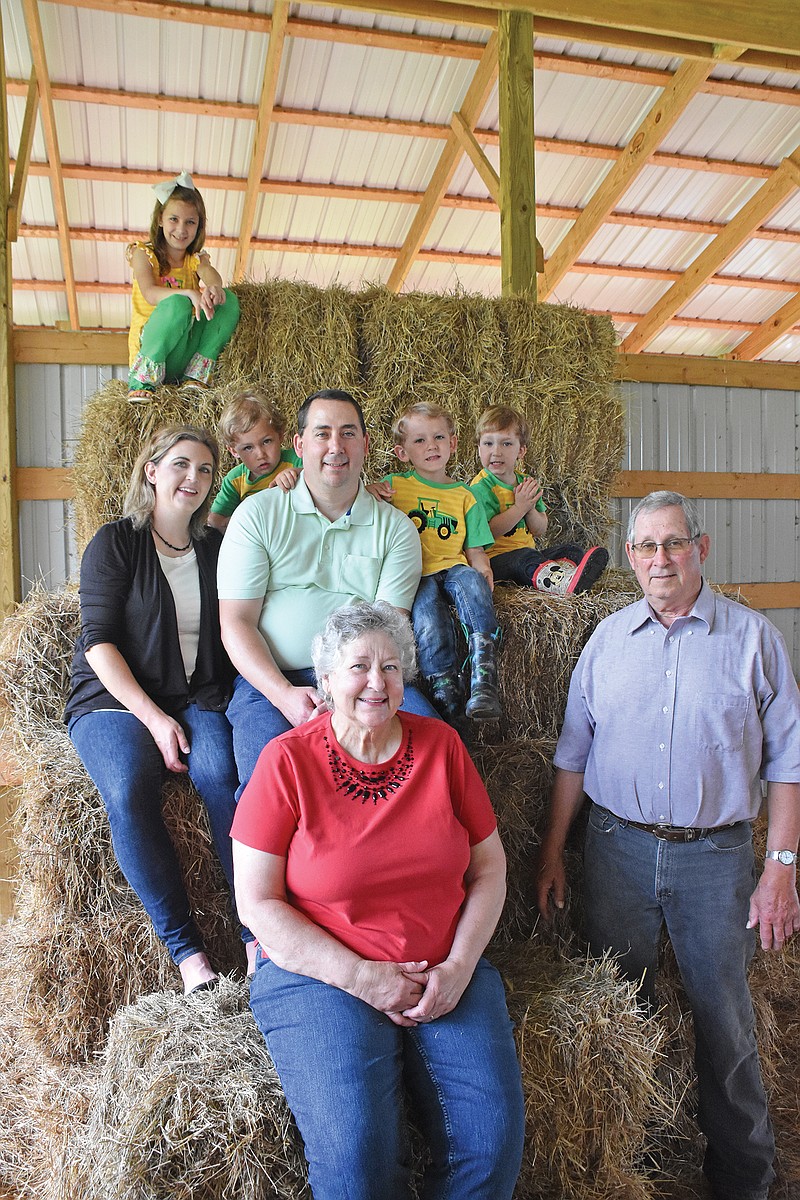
(176, 346)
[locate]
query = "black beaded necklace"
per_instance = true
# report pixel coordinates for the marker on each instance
(369, 783)
(177, 549)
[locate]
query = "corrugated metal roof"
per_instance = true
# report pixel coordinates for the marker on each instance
(589, 101)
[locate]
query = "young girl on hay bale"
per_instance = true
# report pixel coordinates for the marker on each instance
(176, 338)
(151, 680)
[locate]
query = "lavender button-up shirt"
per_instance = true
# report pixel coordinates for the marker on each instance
(679, 725)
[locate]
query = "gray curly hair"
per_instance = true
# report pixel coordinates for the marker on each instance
(348, 624)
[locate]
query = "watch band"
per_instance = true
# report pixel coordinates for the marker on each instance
(787, 857)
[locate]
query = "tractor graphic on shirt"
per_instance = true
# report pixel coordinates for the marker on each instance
(430, 517)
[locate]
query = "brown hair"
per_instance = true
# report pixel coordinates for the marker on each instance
(499, 417)
(423, 408)
(189, 196)
(245, 409)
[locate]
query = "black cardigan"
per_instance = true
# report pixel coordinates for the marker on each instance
(127, 601)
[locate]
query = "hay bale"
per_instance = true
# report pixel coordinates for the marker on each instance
(41, 1105)
(589, 1059)
(86, 944)
(293, 339)
(188, 1104)
(464, 351)
(542, 639)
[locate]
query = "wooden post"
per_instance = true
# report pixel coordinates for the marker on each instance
(9, 524)
(517, 180)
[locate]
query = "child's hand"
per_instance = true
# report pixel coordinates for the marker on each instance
(287, 479)
(381, 490)
(211, 296)
(478, 559)
(196, 298)
(527, 493)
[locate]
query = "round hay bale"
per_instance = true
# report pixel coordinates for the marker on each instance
(189, 1106)
(589, 1061)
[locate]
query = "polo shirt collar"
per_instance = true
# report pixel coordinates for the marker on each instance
(361, 511)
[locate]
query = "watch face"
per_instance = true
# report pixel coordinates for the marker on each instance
(786, 857)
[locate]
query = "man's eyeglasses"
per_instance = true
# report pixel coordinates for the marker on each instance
(672, 546)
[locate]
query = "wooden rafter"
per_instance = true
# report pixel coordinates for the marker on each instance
(476, 155)
(659, 120)
(34, 26)
(473, 105)
(23, 159)
(280, 15)
(232, 110)
(9, 516)
(768, 197)
(279, 245)
(781, 322)
(558, 23)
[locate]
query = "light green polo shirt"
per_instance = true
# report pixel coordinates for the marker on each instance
(279, 548)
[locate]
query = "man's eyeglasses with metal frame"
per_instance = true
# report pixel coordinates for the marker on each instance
(672, 546)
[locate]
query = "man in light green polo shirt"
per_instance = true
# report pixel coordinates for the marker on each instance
(290, 559)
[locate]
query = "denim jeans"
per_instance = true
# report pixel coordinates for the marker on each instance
(635, 883)
(128, 771)
(433, 622)
(256, 720)
(342, 1066)
(518, 566)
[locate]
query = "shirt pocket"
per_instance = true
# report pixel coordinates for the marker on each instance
(359, 576)
(719, 722)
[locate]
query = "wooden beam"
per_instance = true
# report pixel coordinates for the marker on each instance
(518, 246)
(769, 197)
(23, 157)
(469, 144)
(664, 113)
(272, 66)
(696, 371)
(781, 322)
(44, 483)
(771, 25)
(710, 485)
(9, 521)
(55, 346)
(36, 39)
(471, 109)
(765, 596)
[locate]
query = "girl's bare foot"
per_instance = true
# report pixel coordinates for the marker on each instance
(196, 971)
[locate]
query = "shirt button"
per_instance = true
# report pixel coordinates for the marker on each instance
(662, 746)
(665, 709)
(662, 816)
(668, 673)
(672, 639)
(661, 787)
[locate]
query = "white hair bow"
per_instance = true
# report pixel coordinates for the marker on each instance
(163, 191)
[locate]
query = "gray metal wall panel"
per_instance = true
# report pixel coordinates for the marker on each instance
(49, 402)
(674, 427)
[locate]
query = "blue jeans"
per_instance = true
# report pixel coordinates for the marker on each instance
(433, 622)
(127, 768)
(256, 720)
(342, 1066)
(518, 566)
(635, 883)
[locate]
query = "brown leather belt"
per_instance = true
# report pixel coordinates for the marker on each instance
(674, 833)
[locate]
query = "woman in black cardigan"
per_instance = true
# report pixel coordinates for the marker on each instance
(151, 680)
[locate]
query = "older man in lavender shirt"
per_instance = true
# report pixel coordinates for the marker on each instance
(679, 706)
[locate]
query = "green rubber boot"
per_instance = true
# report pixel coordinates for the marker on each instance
(484, 702)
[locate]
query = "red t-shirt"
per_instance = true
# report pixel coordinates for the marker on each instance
(374, 855)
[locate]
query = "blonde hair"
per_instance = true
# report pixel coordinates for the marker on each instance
(140, 499)
(245, 409)
(498, 418)
(423, 408)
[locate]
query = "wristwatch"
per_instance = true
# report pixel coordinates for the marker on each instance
(787, 857)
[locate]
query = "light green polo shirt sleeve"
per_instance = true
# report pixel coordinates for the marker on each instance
(279, 549)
